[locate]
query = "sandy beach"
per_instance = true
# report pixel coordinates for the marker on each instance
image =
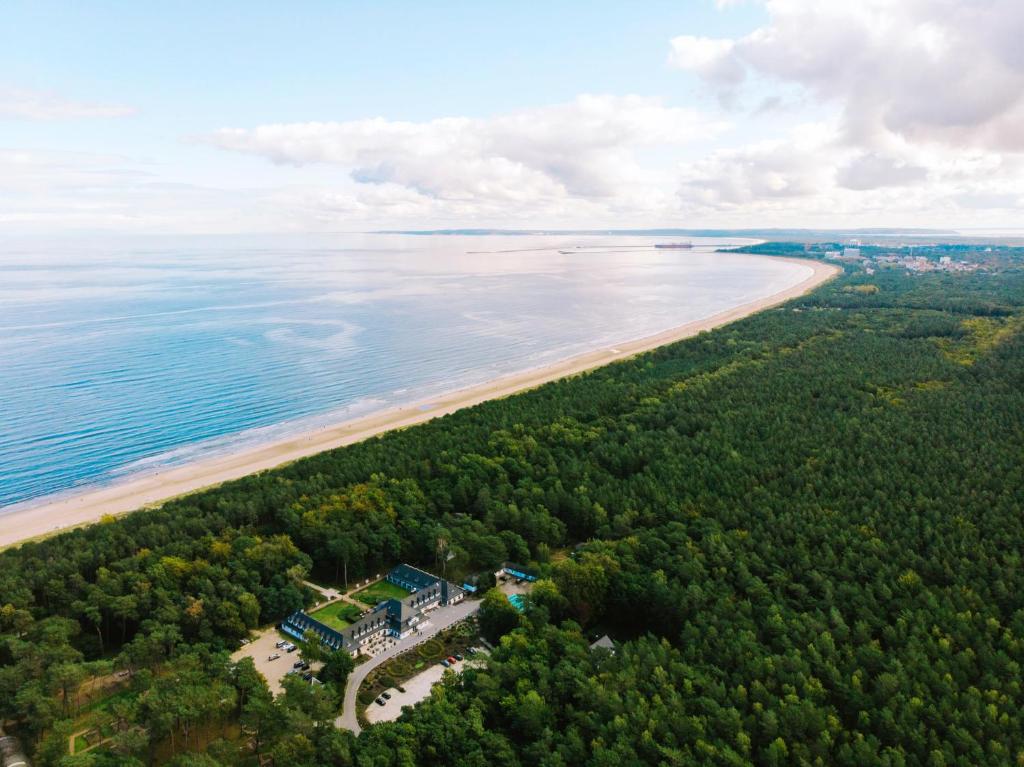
(49, 515)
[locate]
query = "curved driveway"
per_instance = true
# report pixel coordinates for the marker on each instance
(441, 619)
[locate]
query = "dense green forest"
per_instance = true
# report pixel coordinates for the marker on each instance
(803, 529)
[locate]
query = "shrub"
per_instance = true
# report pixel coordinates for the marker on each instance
(399, 667)
(431, 649)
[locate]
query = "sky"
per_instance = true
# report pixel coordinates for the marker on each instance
(219, 117)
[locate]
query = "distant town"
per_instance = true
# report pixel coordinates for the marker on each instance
(913, 258)
(901, 259)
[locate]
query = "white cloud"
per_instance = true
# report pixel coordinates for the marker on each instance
(711, 58)
(812, 177)
(942, 71)
(36, 105)
(586, 149)
(763, 172)
(872, 170)
(53, 190)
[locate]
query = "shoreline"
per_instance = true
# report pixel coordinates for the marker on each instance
(52, 515)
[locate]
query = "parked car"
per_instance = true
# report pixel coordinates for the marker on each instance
(290, 648)
(445, 663)
(280, 645)
(451, 659)
(304, 666)
(308, 676)
(386, 695)
(274, 656)
(471, 651)
(297, 664)
(458, 657)
(380, 701)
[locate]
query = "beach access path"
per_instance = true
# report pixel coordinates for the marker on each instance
(53, 515)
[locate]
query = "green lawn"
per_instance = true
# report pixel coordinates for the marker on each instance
(378, 592)
(337, 615)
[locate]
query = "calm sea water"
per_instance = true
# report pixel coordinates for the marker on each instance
(125, 356)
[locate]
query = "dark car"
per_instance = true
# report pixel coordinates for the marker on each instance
(304, 667)
(308, 675)
(445, 663)
(471, 651)
(379, 701)
(297, 664)
(386, 695)
(458, 657)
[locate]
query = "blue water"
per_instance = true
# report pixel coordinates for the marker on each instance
(125, 356)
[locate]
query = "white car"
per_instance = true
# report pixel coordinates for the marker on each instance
(274, 656)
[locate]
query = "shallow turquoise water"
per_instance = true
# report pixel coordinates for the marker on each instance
(124, 356)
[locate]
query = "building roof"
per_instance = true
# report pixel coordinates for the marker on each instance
(604, 642)
(413, 575)
(392, 613)
(520, 571)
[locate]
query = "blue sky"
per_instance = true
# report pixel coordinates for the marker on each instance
(228, 116)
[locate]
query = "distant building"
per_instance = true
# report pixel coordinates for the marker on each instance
(604, 643)
(392, 617)
(519, 571)
(851, 252)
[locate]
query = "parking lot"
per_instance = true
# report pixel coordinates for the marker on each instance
(260, 650)
(417, 688)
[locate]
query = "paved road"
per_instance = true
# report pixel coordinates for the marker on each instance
(440, 619)
(327, 593)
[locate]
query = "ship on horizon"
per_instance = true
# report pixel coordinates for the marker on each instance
(674, 245)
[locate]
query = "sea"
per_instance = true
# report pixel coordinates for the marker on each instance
(122, 356)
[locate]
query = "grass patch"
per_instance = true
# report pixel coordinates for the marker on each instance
(378, 592)
(103, 704)
(337, 615)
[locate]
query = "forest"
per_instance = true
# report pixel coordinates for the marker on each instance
(803, 531)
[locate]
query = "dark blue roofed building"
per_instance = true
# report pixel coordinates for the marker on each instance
(411, 578)
(519, 571)
(392, 617)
